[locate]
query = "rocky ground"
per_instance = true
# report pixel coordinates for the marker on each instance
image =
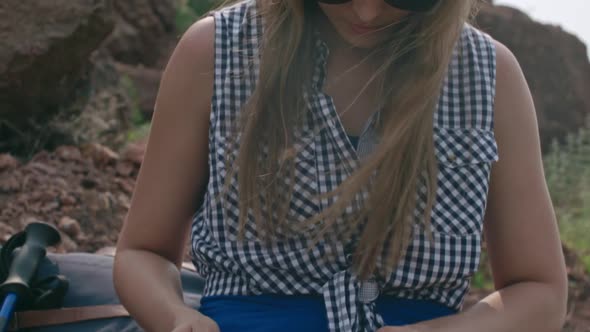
(85, 191)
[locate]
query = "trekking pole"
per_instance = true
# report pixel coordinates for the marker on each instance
(15, 289)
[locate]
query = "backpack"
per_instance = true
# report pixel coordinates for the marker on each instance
(88, 302)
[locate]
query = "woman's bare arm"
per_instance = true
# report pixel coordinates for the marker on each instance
(520, 227)
(169, 187)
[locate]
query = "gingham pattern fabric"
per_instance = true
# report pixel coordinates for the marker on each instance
(438, 270)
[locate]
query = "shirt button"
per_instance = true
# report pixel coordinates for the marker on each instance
(452, 157)
(368, 291)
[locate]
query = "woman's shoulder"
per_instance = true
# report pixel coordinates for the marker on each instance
(198, 38)
(195, 49)
(191, 67)
(488, 54)
(513, 94)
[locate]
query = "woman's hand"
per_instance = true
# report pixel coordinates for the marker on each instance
(190, 320)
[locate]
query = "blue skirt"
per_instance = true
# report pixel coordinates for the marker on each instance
(296, 313)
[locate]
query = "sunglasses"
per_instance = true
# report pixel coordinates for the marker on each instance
(417, 6)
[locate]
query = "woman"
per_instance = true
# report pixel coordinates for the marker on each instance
(372, 143)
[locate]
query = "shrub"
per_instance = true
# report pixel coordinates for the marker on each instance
(567, 170)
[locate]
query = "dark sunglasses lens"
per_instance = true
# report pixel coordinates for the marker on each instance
(413, 5)
(334, 2)
(409, 5)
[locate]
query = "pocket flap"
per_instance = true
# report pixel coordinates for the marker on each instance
(460, 146)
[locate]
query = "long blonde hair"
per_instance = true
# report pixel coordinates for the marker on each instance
(401, 168)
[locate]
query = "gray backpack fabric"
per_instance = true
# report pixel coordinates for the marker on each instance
(91, 283)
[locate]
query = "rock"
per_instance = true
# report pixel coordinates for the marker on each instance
(125, 185)
(9, 211)
(43, 156)
(88, 183)
(125, 168)
(555, 64)
(69, 226)
(67, 200)
(124, 201)
(47, 195)
(106, 201)
(134, 152)
(66, 244)
(42, 168)
(45, 48)
(69, 153)
(5, 237)
(48, 207)
(107, 251)
(7, 162)
(144, 29)
(67, 209)
(100, 154)
(6, 231)
(94, 201)
(9, 184)
(60, 182)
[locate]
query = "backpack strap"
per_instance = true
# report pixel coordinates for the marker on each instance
(38, 318)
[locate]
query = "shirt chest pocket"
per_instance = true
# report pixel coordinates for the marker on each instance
(464, 159)
(452, 254)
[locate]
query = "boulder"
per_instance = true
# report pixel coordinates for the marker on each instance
(45, 48)
(555, 64)
(143, 32)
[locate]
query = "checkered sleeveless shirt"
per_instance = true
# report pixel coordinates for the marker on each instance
(438, 270)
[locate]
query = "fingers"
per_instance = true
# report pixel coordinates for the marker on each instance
(194, 327)
(183, 329)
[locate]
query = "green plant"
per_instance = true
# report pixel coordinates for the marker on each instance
(190, 10)
(185, 16)
(481, 280)
(138, 133)
(202, 6)
(567, 170)
(128, 86)
(138, 125)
